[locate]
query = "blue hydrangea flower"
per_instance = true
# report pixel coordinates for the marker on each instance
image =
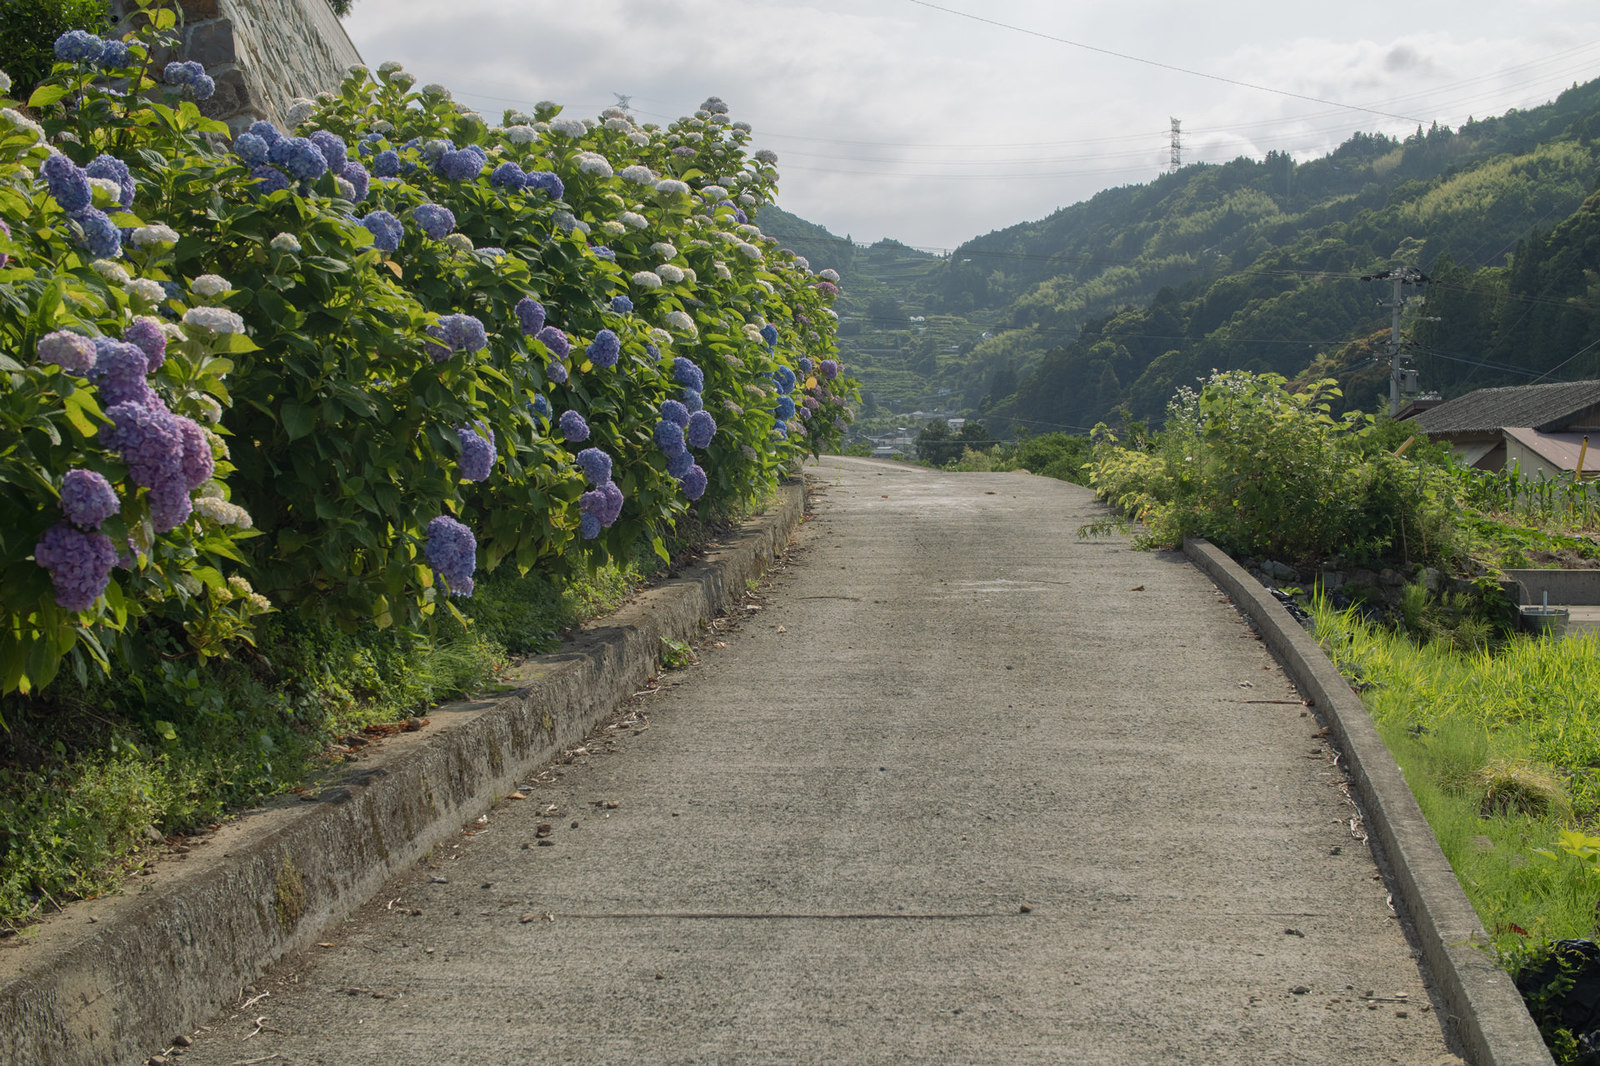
(464, 333)
(673, 411)
(269, 179)
(685, 373)
(769, 333)
(508, 176)
(830, 369)
(573, 427)
(100, 235)
(79, 563)
(332, 147)
(805, 365)
(702, 427)
(385, 229)
(266, 131)
(114, 55)
(669, 438)
(477, 455)
(554, 341)
(119, 373)
(151, 339)
(72, 352)
(299, 157)
(540, 405)
(605, 253)
(556, 371)
(203, 88)
(359, 179)
(460, 164)
(78, 46)
(621, 304)
(784, 378)
(87, 498)
(251, 148)
(110, 168)
(692, 400)
(604, 502)
(694, 482)
(452, 551)
(67, 183)
(596, 465)
(785, 408)
(436, 220)
(547, 182)
(605, 349)
(530, 315)
(678, 465)
(589, 526)
(386, 164)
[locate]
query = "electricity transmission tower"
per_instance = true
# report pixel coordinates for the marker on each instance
(1177, 144)
(624, 100)
(1402, 379)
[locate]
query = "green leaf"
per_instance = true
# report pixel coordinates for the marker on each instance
(82, 412)
(45, 95)
(298, 421)
(165, 729)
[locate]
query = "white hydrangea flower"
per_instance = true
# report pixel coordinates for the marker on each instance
(285, 242)
(210, 285)
(145, 236)
(300, 109)
(111, 271)
(767, 156)
(638, 174)
(357, 70)
(618, 125)
(664, 249)
(568, 223)
(749, 251)
(570, 127)
(459, 241)
(383, 126)
(700, 242)
(765, 284)
(801, 261)
(222, 512)
(723, 272)
(433, 88)
(521, 134)
(22, 122)
(669, 273)
(671, 187)
(690, 276)
(326, 97)
(146, 289)
(346, 190)
(639, 140)
(214, 490)
(752, 332)
(402, 79)
(210, 409)
(518, 118)
(694, 137)
(831, 313)
(747, 200)
(215, 319)
(634, 219)
(389, 67)
(105, 191)
(219, 446)
(659, 335)
(830, 274)
(612, 228)
(174, 332)
(743, 127)
(5, 82)
(614, 111)
(594, 163)
(646, 279)
(681, 323)
(747, 230)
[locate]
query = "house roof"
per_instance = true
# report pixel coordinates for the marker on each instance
(1560, 450)
(1542, 407)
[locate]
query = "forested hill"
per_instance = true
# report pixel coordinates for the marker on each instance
(1122, 298)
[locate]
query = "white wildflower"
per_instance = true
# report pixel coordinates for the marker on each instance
(669, 273)
(239, 585)
(258, 602)
(210, 285)
(285, 242)
(634, 219)
(111, 271)
(645, 279)
(145, 236)
(146, 289)
(215, 319)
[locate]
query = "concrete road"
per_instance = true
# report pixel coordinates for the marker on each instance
(965, 789)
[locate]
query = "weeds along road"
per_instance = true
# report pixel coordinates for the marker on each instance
(965, 789)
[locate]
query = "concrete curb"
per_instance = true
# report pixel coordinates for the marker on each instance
(113, 981)
(1486, 1010)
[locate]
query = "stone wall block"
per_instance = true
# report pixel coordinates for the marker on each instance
(210, 43)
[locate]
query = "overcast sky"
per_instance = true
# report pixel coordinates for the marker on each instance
(932, 123)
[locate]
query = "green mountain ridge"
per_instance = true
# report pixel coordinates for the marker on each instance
(1113, 303)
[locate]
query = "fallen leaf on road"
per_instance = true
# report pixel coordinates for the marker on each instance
(1137, 588)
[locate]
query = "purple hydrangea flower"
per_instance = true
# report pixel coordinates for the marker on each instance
(197, 465)
(463, 333)
(694, 482)
(604, 502)
(67, 183)
(72, 352)
(182, 74)
(357, 176)
(685, 373)
(805, 365)
(436, 220)
(621, 304)
(269, 179)
(452, 551)
(769, 333)
(100, 235)
(87, 498)
(78, 46)
(554, 341)
(114, 55)
(110, 168)
(573, 426)
(170, 506)
(203, 88)
(540, 405)
(477, 455)
(785, 408)
(596, 465)
(79, 563)
(602, 252)
(673, 411)
(147, 334)
(508, 176)
(702, 427)
(386, 230)
(556, 371)
(548, 182)
(148, 439)
(386, 164)
(530, 315)
(251, 148)
(266, 131)
(589, 526)
(299, 157)
(830, 369)
(119, 372)
(678, 465)
(669, 438)
(332, 147)
(605, 349)
(692, 400)
(460, 164)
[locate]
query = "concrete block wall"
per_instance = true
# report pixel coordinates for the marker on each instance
(262, 53)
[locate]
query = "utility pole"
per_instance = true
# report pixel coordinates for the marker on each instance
(1402, 379)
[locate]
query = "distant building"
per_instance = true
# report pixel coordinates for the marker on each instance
(1538, 428)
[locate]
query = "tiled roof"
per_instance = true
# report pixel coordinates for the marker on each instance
(1489, 410)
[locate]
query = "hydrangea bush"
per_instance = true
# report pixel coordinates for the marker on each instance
(325, 359)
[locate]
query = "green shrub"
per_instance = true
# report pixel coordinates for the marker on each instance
(28, 31)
